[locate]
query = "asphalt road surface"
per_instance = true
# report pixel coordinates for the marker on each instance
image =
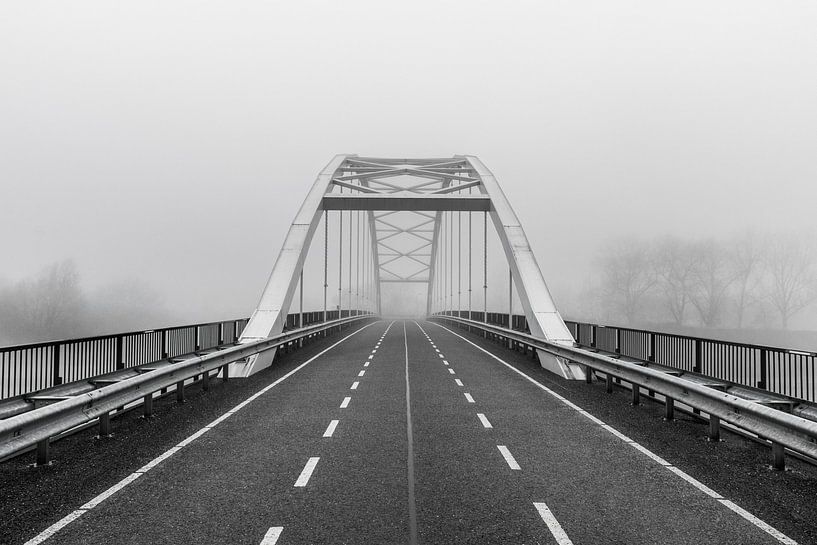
(408, 433)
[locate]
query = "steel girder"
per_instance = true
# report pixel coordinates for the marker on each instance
(405, 200)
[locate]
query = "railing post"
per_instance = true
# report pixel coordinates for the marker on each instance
(55, 365)
(221, 333)
(593, 332)
(119, 363)
(618, 340)
(764, 370)
(164, 344)
(197, 342)
(651, 356)
(698, 353)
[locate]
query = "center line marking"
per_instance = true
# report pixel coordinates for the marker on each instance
(361, 373)
(451, 371)
(508, 457)
(458, 381)
(354, 385)
(370, 357)
(441, 356)
(445, 362)
(553, 524)
(366, 364)
(303, 478)
(485, 423)
(272, 535)
(345, 403)
(469, 398)
(331, 428)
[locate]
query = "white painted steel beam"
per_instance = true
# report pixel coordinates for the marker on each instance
(421, 202)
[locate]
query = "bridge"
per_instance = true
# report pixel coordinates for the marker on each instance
(341, 425)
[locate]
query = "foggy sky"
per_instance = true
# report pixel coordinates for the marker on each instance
(173, 141)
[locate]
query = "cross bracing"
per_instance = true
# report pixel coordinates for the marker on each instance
(404, 210)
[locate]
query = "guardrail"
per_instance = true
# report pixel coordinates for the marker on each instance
(784, 371)
(31, 367)
(781, 429)
(37, 427)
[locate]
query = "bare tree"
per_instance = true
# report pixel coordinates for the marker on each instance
(710, 281)
(627, 277)
(674, 263)
(791, 279)
(746, 257)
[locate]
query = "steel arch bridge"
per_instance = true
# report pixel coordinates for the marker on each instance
(405, 231)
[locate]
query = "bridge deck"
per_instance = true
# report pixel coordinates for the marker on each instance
(240, 478)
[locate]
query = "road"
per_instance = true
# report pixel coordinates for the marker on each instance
(407, 433)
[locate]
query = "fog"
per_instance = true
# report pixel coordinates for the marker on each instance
(167, 145)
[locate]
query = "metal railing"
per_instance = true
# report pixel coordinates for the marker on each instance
(784, 371)
(31, 367)
(38, 426)
(780, 428)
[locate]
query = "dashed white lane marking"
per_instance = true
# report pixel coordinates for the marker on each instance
(441, 355)
(458, 381)
(682, 474)
(451, 371)
(361, 373)
(331, 428)
(345, 402)
(485, 423)
(272, 535)
(303, 478)
(366, 364)
(437, 351)
(370, 357)
(445, 362)
(553, 524)
(354, 385)
(74, 515)
(469, 398)
(508, 457)
(374, 351)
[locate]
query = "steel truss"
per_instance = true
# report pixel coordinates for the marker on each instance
(405, 200)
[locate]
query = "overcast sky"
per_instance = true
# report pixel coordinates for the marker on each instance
(173, 141)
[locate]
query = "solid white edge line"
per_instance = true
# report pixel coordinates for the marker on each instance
(508, 457)
(469, 398)
(56, 527)
(685, 476)
(330, 430)
(65, 521)
(306, 474)
(553, 525)
(272, 535)
(484, 420)
(345, 402)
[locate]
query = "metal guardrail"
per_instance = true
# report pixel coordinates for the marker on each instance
(780, 428)
(36, 427)
(784, 371)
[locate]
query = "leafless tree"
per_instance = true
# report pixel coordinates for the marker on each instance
(746, 257)
(791, 278)
(710, 280)
(627, 277)
(673, 261)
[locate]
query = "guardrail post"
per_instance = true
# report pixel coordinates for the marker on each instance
(104, 425)
(147, 405)
(180, 392)
(43, 452)
(609, 383)
(669, 409)
(778, 456)
(205, 381)
(636, 394)
(119, 363)
(588, 375)
(225, 372)
(764, 370)
(55, 365)
(714, 428)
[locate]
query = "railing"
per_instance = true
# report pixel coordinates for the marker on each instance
(780, 428)
(38, 426)
(792, 373)
(32, 367)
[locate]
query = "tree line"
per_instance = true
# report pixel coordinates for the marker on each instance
(746, 280)
(54, 304)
